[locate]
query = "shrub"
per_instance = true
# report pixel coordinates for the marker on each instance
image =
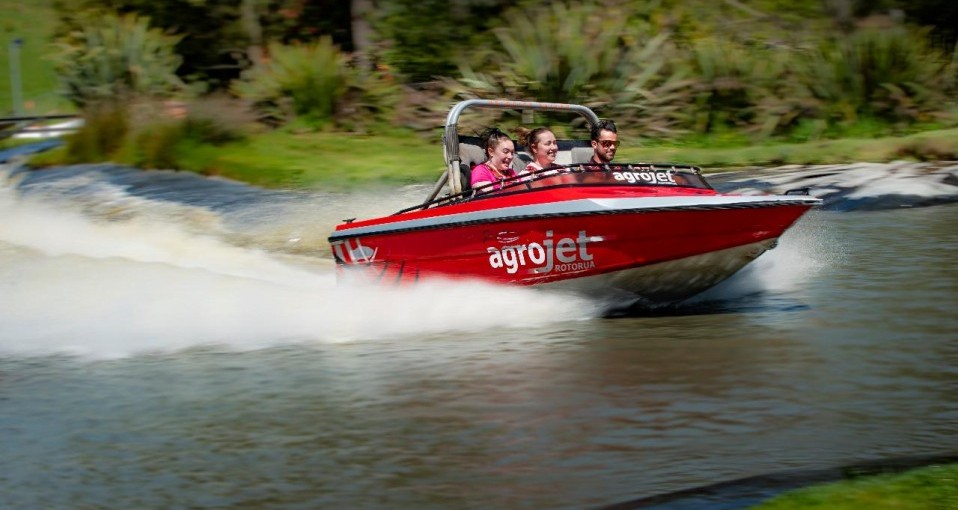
(113, 58)
(371, 98)
(580, 53)
(153, 146)
(105, 125)
(891, 74)
(559, 52)
(728, 84)
(309, 81)
(217, 120)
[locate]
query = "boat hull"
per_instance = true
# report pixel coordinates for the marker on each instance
(670, 281)
(660, 253)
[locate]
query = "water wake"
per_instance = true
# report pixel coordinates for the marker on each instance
(91, 268)
(802, 253)
(77, 281)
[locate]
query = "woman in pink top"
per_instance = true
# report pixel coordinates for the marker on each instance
(498, 165)
(542, 145)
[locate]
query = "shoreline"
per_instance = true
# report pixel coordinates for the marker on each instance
(842, 187)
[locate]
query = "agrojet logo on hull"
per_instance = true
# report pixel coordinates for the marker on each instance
(566, 254)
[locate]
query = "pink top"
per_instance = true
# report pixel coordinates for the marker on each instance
(482, 172)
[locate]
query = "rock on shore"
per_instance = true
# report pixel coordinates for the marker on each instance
(855, 186)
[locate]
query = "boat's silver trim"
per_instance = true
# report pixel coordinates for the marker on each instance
(581, 206)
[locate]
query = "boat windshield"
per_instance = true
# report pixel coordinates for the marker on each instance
(627, 174)
(612, 174)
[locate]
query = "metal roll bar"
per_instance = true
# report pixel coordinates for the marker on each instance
(450, 138)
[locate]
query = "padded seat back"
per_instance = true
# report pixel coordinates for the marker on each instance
(579, 155)
(470, 151)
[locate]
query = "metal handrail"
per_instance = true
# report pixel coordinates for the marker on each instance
(55, 116)
(450, 137)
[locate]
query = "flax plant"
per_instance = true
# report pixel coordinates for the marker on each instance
(580, 53)
(116, 57)
(309, 81)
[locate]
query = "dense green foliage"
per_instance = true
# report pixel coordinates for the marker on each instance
(930, 488)
(316, 83)
(117, 58)
(681, 73)
(312, 78)
(422, 40)
(676, 80)
(217, 38)
(148, 133)
(105, 126)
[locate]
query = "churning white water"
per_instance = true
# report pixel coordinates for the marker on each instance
(129, 275)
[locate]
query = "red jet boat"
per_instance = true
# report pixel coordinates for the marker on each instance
(658, 232)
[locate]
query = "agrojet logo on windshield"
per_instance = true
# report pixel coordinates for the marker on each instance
(566, 254)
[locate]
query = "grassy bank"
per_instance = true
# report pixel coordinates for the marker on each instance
(338, 161)
(33, 23)
(319, 160)
(929, 145)
(929, 488)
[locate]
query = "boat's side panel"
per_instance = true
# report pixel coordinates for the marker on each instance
(549, 249)
(672, 280)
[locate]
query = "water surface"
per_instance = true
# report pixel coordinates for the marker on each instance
(167, 349)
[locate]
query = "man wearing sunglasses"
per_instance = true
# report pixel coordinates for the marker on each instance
(605, 141)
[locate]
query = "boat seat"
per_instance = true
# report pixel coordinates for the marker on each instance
(521, 160)
(580, 155)
(470, 151)
(470, 155)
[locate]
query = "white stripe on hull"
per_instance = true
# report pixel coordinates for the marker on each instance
(582, 206)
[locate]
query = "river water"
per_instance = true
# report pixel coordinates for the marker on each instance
(168, 341)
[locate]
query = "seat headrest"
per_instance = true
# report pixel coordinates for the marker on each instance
(471, 154)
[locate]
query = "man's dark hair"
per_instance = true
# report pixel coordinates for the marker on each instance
(602, 125)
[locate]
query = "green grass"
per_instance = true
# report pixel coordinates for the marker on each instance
(939, 144)
(342, 161)
(330, 160)
(929, 488)
(33, 22)
(288, 158)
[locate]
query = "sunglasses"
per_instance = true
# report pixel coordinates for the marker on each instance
(608, 143)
